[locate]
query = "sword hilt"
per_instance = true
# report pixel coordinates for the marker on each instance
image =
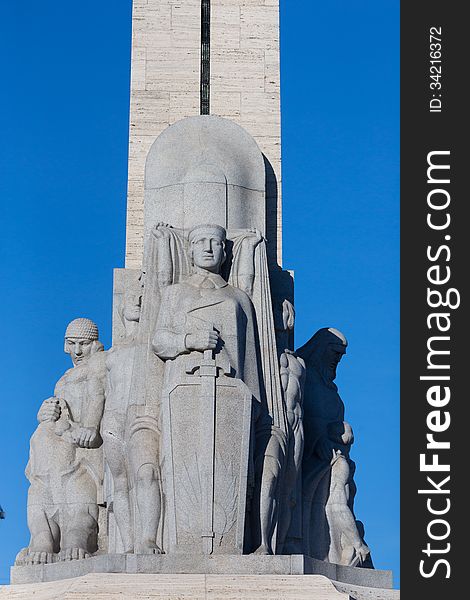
(208, 365)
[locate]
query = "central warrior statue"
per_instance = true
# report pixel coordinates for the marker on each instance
(206, 313)
(208, 326)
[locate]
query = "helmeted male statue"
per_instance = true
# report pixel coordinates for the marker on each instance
(329, 527)
(65, 466)
(206, 326)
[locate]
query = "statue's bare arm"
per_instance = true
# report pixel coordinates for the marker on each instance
(87, 435)
(338, 507)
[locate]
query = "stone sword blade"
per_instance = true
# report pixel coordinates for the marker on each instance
(208, 374)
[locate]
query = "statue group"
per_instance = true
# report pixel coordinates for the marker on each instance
(201, 430)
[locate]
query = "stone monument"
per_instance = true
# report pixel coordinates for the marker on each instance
(201, 442)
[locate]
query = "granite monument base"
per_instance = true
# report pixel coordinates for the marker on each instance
(179, 587)
(250, 564)
(109, 585)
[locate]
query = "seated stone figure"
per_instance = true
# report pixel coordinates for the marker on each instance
(64, 468)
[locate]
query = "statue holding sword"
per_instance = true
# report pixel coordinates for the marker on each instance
(206, 334)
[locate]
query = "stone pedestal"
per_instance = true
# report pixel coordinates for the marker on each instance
(179, 587)
(132, 586)
(186, 564)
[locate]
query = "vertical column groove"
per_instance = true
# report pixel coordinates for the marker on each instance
(205, 56)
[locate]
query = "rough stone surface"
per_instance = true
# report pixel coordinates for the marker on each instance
(245, 87)
(205, 170)
(357, 592)
(187, 564)
(181, 587)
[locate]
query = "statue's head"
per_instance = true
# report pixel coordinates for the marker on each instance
(129, 312)
(335, 349)
(81, 340)
(324, 351)
(207, 247)
(131, 307)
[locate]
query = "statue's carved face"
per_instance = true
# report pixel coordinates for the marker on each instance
(331, 357)
(208, 250)
(80, 349)
(132, 307)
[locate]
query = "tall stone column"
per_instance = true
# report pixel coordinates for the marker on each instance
(165, 87)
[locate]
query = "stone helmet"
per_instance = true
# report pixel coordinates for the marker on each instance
(84, 329)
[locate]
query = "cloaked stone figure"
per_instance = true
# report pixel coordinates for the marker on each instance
(329, 526)
(204, 312)
(206, 334)
(65, 464)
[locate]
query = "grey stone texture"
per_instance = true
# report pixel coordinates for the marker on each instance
(216, 176)
(199, 563)
(245, 88)
(359, 592)
(180, 587)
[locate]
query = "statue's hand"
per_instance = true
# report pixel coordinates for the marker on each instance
(202, 340)
(85, 437)
(348, 436)
(161, 230)
(50, 410)
(324, 449)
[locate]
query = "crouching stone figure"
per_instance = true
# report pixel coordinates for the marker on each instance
(65, 462)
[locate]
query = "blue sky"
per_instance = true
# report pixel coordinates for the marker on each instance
(63, 166)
